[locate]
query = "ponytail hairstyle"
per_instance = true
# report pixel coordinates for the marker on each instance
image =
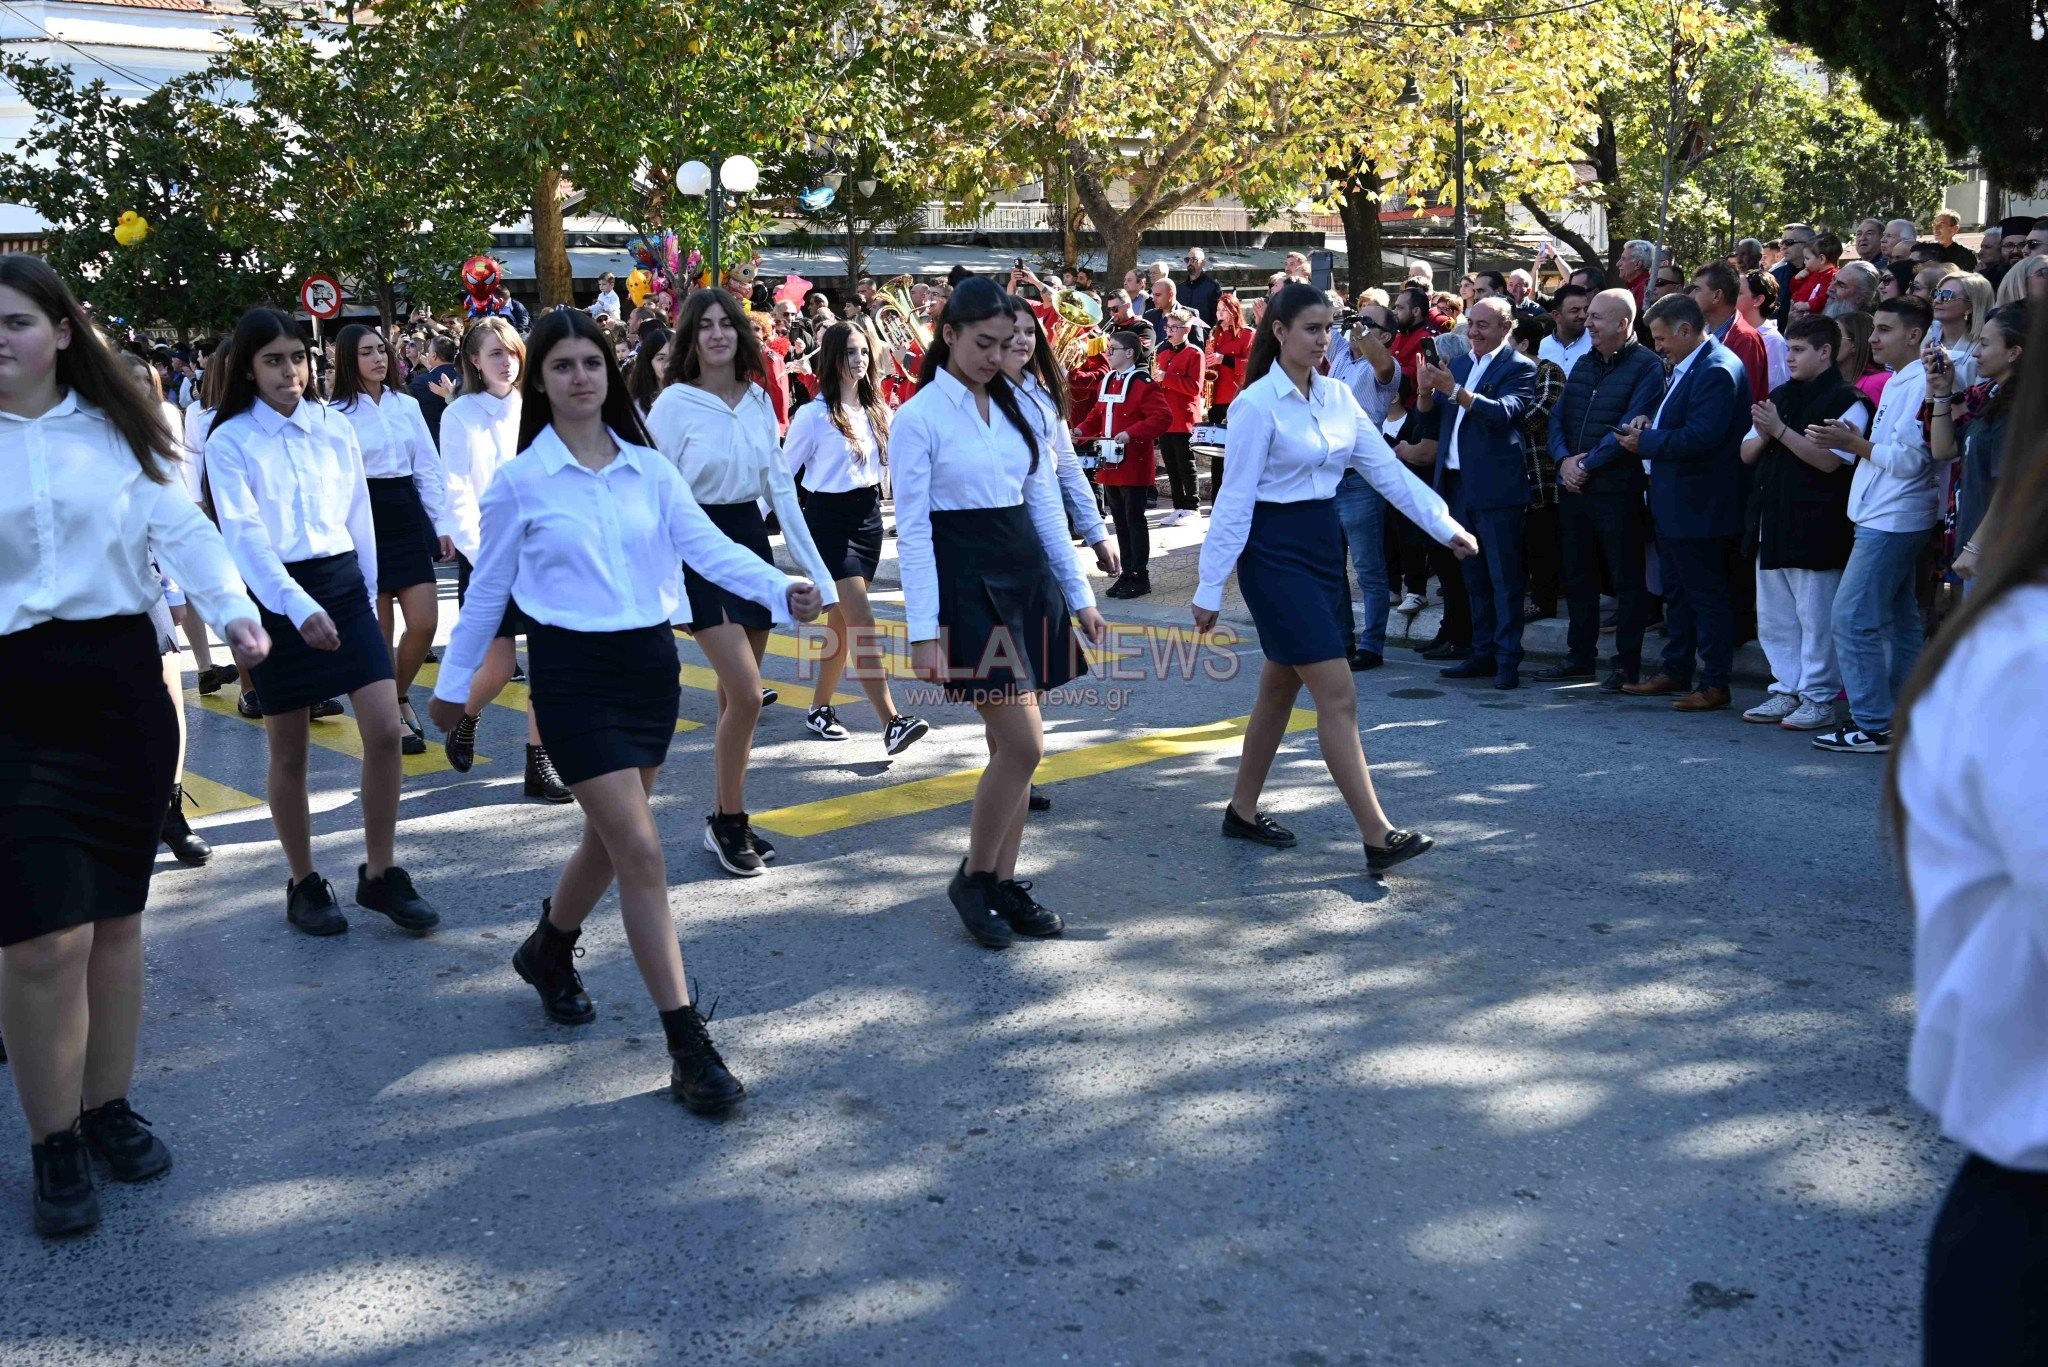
(976, 300)
(684, 367)
(1043, 364)
(490, 325)
(830, 368)
(643, 381)
(536, 413)
(1286, 305)
(257, 330)
(348, 375)
(88, 369)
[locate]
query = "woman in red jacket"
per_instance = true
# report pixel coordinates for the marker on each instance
(1129, 415)
(1180, 377)
(1230, 346)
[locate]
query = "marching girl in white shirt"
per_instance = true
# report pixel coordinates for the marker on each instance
(586, 528)
(1293, 433)
(989, 585)
(479, 434)
(408, 505)
(288, 488)
(92, 498)
(1966, 793)
(716, 423)
(837, 446)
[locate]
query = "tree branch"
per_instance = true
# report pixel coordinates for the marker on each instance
(1555, 227)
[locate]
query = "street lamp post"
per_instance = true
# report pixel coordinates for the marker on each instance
(738, 174)
(1459, 261)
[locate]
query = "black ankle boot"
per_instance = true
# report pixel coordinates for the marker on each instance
(699, 1078)
(548, 961)
(541, 779)
(65, 1201)
(460, 744)
(976, 896)
(185, 847)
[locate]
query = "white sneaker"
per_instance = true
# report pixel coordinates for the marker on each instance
(1774, 707)
(1810, 716)
(1173, 519)
(1411, 604)
(823, 723)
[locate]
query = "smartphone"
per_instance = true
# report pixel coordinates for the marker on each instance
(1429, 350)
(1020, 263)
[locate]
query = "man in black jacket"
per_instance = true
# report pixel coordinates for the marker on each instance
(1600, 493)
(436, 382)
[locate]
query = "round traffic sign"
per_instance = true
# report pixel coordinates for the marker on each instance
(321, 296)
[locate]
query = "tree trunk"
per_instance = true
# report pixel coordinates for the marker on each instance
(1070, 226)
(550, 245)
(1364, 250)
(387, 304)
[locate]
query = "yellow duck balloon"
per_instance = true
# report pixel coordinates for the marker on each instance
(132, 228)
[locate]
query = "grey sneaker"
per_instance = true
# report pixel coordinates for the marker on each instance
(1810, 716)
(1775, 707)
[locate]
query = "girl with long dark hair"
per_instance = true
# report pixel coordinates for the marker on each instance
(650, 362)
(288, 487)
(92, 504)
(408, 505)
(716, 422)
(586, 528)
(1293, 433)
(837, 445)
(990, 585)
(479, 434)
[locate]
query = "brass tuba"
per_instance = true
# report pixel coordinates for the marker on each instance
(897, 319)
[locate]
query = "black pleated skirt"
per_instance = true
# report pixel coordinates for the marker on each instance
(512, 624)
(405, 535)
(1004, 622)
(1291, 573)
(711, 605)
(847, 528)
(81, 802)
(296, 675)
(604, 700)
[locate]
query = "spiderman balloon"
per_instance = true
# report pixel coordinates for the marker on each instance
(480, 277)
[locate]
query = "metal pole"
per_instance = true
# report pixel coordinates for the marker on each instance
(1459, 263)
(717, 193)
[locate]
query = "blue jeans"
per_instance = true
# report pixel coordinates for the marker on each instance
(1362, 513)
(1875, 610)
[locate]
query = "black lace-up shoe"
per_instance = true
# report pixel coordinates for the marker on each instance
(391, 892)
(730, 838)
(65, 1200)
(1261, 829)
(309, 904)
(548, 961)
(542, 780)
(1401, 846)
(1040, 802)
(977, 897)
(211, 680)
(1016, 905)
(177, 835)
(698, 1078)
(121, 1138)
(460, 744)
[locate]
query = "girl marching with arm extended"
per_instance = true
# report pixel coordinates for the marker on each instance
(989, 585)
(586, 528)
(1292, 434)
(716, 424)
(93, 504)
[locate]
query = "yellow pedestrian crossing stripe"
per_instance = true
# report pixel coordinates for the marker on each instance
(949, 790)
(208, 797)
(338, 734)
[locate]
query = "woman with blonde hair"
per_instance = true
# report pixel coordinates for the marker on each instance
(1961, 304)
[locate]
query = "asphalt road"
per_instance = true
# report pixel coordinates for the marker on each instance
(1613, 1076)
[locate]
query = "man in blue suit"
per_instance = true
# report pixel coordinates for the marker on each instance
(1694, 446)
(1483, 475)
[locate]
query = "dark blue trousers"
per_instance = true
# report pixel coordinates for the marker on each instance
(1699, 610)
(1494, 578)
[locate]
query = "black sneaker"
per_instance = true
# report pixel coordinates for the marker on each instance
(309, 904)
(460, 744)
(1436, 642)
(518, 672)
(769, 697)
(1564, 670)
(547, 960)
(65, 1201)
(698, 1077)
(1039, 801)
(903, 732)
(1121, 588)
(414, 741)
(1016, 905)
(977, 897)
(1141, 584)
(823, 723)
(1401, 846)
(760, 846)
(248, 706)
(326, 707)
(542, 779)
(1614, 682)
(1261, 829)
(392, 893)
(177, 834)
(122, 1139)
(433, 656)
(727, 837)
(1854, 740)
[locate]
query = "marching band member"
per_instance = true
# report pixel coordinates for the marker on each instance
(1130, 411)
(585, 528)
(1182, 380)
(1293, 432)
(1224, 357)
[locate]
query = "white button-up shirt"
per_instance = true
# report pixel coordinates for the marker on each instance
(1671, 381)
(1566, 355)
(1456, 417)
(396, 444)
(80, 523)
(1055, 435)
(197, 419)
(1284, 447)
(1894, 489)
(479, 433)
(286, 489)
(836, 465)
(945, 457)
(1973, 788)
(593, 550)
(732, 455)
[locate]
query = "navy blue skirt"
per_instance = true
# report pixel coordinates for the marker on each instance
(406, 543)
(603, 700)
(1003, 619)
(1291, 573)
(847, 530)
(712, 606)
(295, 675)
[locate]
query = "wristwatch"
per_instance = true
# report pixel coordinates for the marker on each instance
(1459, 395)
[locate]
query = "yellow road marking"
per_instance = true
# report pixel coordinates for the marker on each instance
(338, 734)
(209, 797)
(699, 677)
(949, 790)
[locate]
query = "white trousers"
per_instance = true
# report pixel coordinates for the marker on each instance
(1793, 611)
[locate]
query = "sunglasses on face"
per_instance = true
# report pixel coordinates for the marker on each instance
(1940, 295)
